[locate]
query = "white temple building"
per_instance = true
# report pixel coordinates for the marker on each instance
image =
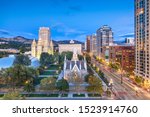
(74, 68)
(44, 43)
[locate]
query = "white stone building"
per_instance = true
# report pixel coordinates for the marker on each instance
(70, 47)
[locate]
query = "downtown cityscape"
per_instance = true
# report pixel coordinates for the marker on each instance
(55, 62)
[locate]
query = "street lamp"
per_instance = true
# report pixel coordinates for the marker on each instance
(136, 91)
(111, 83)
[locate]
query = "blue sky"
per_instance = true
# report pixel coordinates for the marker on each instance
(68, 19)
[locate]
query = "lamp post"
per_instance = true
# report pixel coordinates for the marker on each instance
(136, 91)
(111, 84)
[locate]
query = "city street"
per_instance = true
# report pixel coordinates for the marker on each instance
(127, 90)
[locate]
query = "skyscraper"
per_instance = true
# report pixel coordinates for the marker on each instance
(88, 43)
(142, 37)
(93, 44)
(44, 43)
(104, 38)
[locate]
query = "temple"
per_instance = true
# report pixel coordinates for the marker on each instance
(44, 43)
(75, 68)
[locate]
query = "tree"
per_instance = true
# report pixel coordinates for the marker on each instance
(68, 55)
(88, 58)
(138, 80)
(46, 59)
(17, 75)
(15, 95)
(48, 84)
(29, 87)
(114, 66)
(80, 57)
(62, 85)
(22, 49)
(86, 78)
(22, 60)
(95, 85)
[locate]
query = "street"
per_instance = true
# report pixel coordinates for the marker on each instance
(125, 91)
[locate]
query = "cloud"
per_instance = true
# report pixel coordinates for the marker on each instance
(61, 31)
(4, 32)
(9, 34)
(67, 31)
(127, 35)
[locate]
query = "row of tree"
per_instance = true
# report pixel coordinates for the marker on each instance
(51, 85)
(95, 84)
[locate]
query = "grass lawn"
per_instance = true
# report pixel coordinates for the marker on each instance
(49, 73)
(95, 95)
(78, 95)
(41, 95)
(64, 95)
(54, 67)
(1, 95)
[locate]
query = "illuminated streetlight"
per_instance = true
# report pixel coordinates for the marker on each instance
(111, 83)
(136, 91)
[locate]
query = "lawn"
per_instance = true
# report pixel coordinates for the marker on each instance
(64, 95)
(49, 73)
(1, 95)
(40, 95)
(54, 67)
(95, 95)
(78, 95)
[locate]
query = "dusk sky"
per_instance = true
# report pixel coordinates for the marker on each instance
(68, 19)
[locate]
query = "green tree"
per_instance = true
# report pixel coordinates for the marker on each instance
(46, 59)
(15, 95)
(138, 80)
(48, 84)
(68, 55)
(86, 78)
(80, 57)
(29, 87)
(62, 85)
(88, 58)
(95, 85)
(22, 60)
(114, 66)
(22, 49)
(17, 75)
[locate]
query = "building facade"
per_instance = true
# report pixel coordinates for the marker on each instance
(122, 54)
(88, 38)
(104, 38)
(70, 47)
(142, 37)
(75, 69)
(44, 43)
(130, 41)
(93, 44)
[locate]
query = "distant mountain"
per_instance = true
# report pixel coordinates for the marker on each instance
(24, 41)
(67, 42)
(18, 39)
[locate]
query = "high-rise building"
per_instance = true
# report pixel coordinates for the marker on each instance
(130, 41)
(93, 44)
(122, 54)
(142, 37)
(88, 43)
(104, 38)
(44, 43)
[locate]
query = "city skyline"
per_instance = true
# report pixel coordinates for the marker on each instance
(68, 19)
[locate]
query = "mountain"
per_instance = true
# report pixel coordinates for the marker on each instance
(18, 39)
